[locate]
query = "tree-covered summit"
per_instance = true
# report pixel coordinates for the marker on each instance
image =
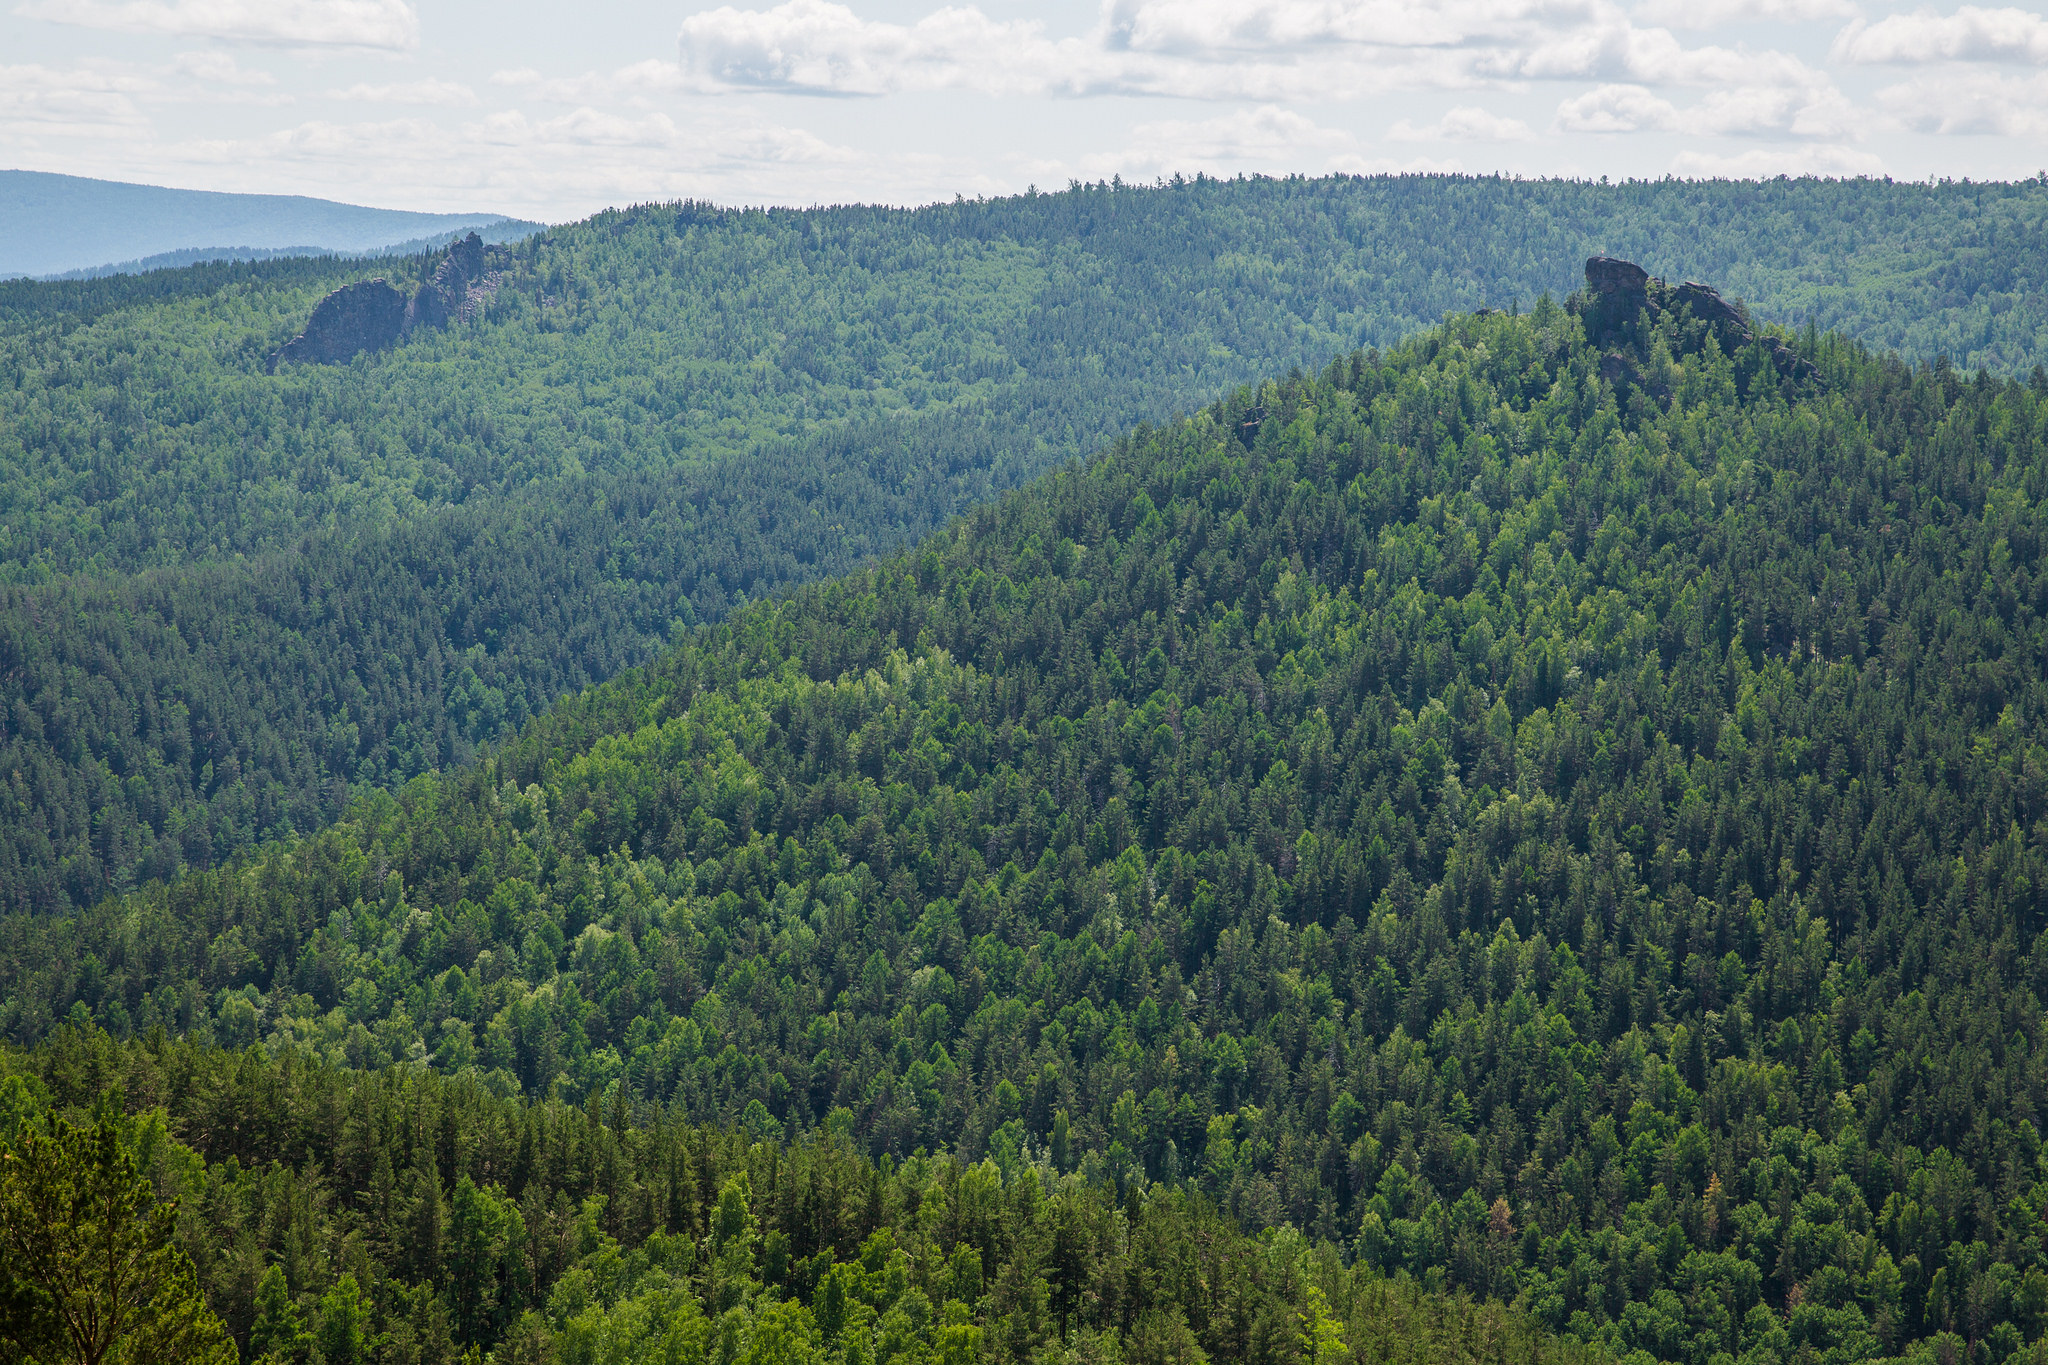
(236, 598)
(1575, 841)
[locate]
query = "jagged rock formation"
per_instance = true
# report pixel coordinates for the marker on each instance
(1619, 293)
(1608, 275)
(370, 315)
(365, 316)
(1708, 306)
(451, 295)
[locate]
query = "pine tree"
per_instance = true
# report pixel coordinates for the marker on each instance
(343, 1334)
(89, 1271)
(280, 1333)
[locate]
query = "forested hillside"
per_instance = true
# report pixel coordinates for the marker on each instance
(1561, 821)
(438, 1222)
(237, 597)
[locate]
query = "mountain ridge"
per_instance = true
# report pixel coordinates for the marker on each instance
(52, 224)
(752, 398)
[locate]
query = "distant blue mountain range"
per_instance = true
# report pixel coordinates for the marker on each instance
(68, 225)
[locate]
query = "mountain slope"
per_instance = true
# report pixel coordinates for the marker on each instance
(55, 223)
(1575, 841)
(669, 411)
(435, 1219)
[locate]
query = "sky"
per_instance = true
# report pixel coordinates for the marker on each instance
(553, 111)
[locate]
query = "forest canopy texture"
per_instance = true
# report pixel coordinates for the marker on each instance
(1553, 820)
(229, 600)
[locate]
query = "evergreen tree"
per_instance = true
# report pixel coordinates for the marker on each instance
(342, 1335)
(279, 1334)
(90, 1272)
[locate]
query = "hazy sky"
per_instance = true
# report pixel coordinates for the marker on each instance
(553, 110)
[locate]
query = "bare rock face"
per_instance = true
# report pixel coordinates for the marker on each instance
(365, 316)
(1708, 306)
(445, 298)
(1608, 275)
(370, 315)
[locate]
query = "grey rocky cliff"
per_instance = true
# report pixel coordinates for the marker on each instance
(365, 316)
(1608, 275)
(371, 315)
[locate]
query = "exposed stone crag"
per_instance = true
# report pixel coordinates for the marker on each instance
(371, 315)
(1608, 275)
(1619, 293)
(365, 316)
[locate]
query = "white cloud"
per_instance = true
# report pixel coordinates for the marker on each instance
(444, 94)
(815, 47)
(1734, 86)
(386, 24)
(637, 83)
(510, 161)
(1974, 102)
(1616, 109)
(1786, 160)
(1269, 51)
(1615, 50)
(1261, 139)
(1208, 27)
(1969, 35)
(84, 101)
(218, 68)
(1698, 14)
(1466, 123)
(1266, 135)
(1819, 113)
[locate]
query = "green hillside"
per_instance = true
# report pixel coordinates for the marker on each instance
(236, 598)
(1568, 838)
(441, 1223)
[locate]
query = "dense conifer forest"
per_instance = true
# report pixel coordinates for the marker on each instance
(348, 1218)
(233, 599)
(1552, 811)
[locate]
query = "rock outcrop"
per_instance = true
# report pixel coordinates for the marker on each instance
(1708, 306)
(1609, 275)
(365, 316)
(1619, 293)
(371, 315)
(448, 297)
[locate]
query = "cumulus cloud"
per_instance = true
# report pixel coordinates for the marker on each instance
(638, 83)
(1258, 50)
(1785, 160)
(386, 24)
(1971, 103)
(84, 100)
(1735, 86)
(444, 94)
(1466, 123)
(1243, 137)
(1820, 113)
(1699, 14)
(1616, 109)
(1265, 138)
(1969, 35)
(816, 47)
(1211, 26)
(218, 68)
